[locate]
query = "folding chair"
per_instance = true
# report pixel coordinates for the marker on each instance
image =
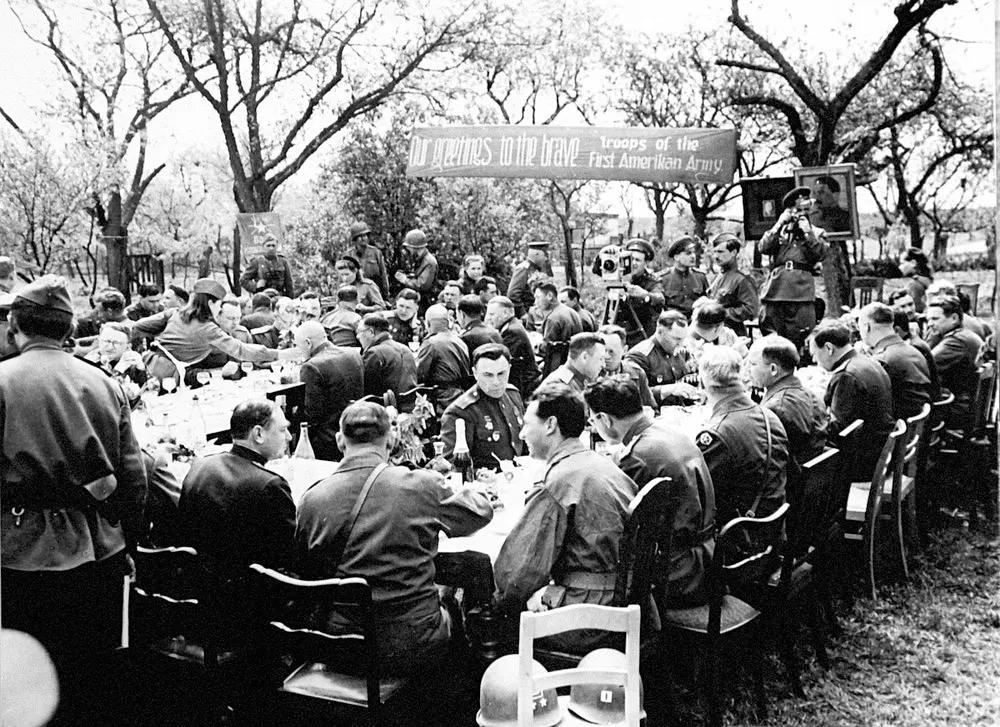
(866, 290)
(569, 618)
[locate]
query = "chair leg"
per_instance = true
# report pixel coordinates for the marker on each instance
(868, 556)
(897, 516)
(788, 656)
(816, 629)
(712, 685)
(757, 664)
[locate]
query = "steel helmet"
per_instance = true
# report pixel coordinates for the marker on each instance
(498, 696)
(358, 229)
(600, 703)
(415, 239)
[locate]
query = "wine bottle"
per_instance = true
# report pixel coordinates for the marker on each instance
(197, 431)
(461, 460)
(304, 449)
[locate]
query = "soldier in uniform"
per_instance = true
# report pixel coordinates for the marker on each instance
(615, 362)
(475, 333)
(906, 366)
(404, 323)
(341, 323)
(564, 548)
(369, 296)
(643, 295)
(369, 257)
(519, 290)
(570, 297)
(561, 324)
(650, 452)
(492, 410)
(744, 444)
(524, 373)
(443, 360)
(269, 270)
(584, 363)
(389, 366)
(683, 284)
(279, 333)
(424, 265)
(795, 246)
(666, 362)
(859, 389)
(733, 290)
(956, 355)
(73, 484)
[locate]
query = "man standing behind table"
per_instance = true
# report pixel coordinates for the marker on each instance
(744, 444)
(732, 289)
(615, 363)
(474, 332)
(571, 529)
(643, 294)
(443, 360)
(423, 268)
(536, 261)
(561, 324)
(665, 361)
(683, 284)
(524, 373)
(389, 366)
(73, 487)
(956, 354)
(859, 389)
(404, 323)
(393, 541)
(333, 378)
(650, 452)
(369, 256)
(907, 369)
(341, 323)
(492, 410)
(269, 270)
(788, 294)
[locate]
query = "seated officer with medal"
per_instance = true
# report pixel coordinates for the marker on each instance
(492, 410)
(269, 270)
(665, 361)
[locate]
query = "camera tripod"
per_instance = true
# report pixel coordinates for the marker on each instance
(615, 297)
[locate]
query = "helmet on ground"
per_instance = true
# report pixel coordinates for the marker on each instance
(600, 703)
(498, 696)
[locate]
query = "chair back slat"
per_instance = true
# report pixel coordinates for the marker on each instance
(814, 503)
(981, 402)
(648, 537)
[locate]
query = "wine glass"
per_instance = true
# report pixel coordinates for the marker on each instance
(169, 383)
(246, 366)
(148, 396)
(203, 377)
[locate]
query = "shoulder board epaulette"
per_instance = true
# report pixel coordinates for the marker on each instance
(562, 374)
(627, 449)
(468, 398)
(644, 346)
(511, 387)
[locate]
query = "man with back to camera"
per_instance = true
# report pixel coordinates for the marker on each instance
(492, 410)
(393, 541)
(536, 261)
(657, 451)
(341, 323)
(524, 373)
(788, 294)
(561, 324)
(268, 270)
(261, 312)
(906, 366)
(731, 288)
(389, 366)
(473, 331)
(333, 377)
(683, 284)
(443, 360)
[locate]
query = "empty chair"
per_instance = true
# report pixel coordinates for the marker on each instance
(866, 290)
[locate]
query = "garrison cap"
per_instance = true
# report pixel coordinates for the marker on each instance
(637, 243)
(681, 244)
(358, 229)
(789, 200)
(415, 239)
(211, 287)
(48, 291)
(538, 244)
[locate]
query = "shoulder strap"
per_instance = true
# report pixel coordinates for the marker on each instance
(345, 532)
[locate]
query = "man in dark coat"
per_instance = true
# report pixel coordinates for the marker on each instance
(269, 270)
(443, 360)
(422, 275)
(474, 332)
(561, 324)
(536, 261)
(524, 373)
(683, 284)
(956, 354)
(643, 300)
(389, 366)
(333, 377)
(906, 366)
(404, 323)
(732, 289)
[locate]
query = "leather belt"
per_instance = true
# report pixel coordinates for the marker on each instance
(588, 581)
(792, 265)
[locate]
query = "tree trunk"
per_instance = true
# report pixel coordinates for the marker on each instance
(568, 249)
(836, 279)
(234, 281)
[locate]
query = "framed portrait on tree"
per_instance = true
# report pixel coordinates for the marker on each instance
(835, 201)
(762, 203)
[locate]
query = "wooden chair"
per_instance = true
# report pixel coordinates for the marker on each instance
(289, 605)
(866, 290)
(746, 551)
(292, 400)
(864, 505)
(929, 462)
(568, 618)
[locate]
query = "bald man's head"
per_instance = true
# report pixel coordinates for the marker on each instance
(309, 336)
(437, 318)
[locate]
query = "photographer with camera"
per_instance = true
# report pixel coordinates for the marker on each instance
(789, 292)
(642, 295)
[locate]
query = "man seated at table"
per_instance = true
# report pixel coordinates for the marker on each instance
(229, 320)
(907, 369)
(859, 389)
(116, 357)
(261, 312)
(901, 325)
(665, 361)
(956, 354)
(474, 332)
(564, 548)
(341, 323)
(389, 366)
(744, 444)
(404, 323)
(443, 359)
(584, 363)
(616, 363)
(901, 300)
(148, 303)
(232, 509)
(708, 326)
(771, 364)
(333, 377)
(662, 451)
(492, 410)
(279, 333)
(109, 306)
(393, 541)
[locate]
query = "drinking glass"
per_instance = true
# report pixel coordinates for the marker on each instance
(169, 383)
(246, 366)
(203, 377)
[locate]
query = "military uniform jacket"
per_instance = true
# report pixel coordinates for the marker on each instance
(333, 378)
(272, 337)
(519, 291)
(908, 374)
(682, 288)
(568, 375)
(69, 458)
(524, 373)
(957, 359)
(193, 341)
(341, 327)
(373, 267)
(492, 426)
(791, 278)
(737, 293)
(638, 315)
(803, 416)
(650, 452)
(561, 324)
(734, 443)
(659, 366)
(572, 525)
(424, 279)
(860, 389)
(390, 366)
(631, 369)
(370, 299)
(443, 361)
(237, 512)
(477, 333)
(405, 332)
(262, 273)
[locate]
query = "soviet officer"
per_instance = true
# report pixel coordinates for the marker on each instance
(269, 270)
(492, 410)
(643, 295)
(683, 284)
(519, 290)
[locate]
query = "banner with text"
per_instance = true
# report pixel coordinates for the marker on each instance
(699, 156)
